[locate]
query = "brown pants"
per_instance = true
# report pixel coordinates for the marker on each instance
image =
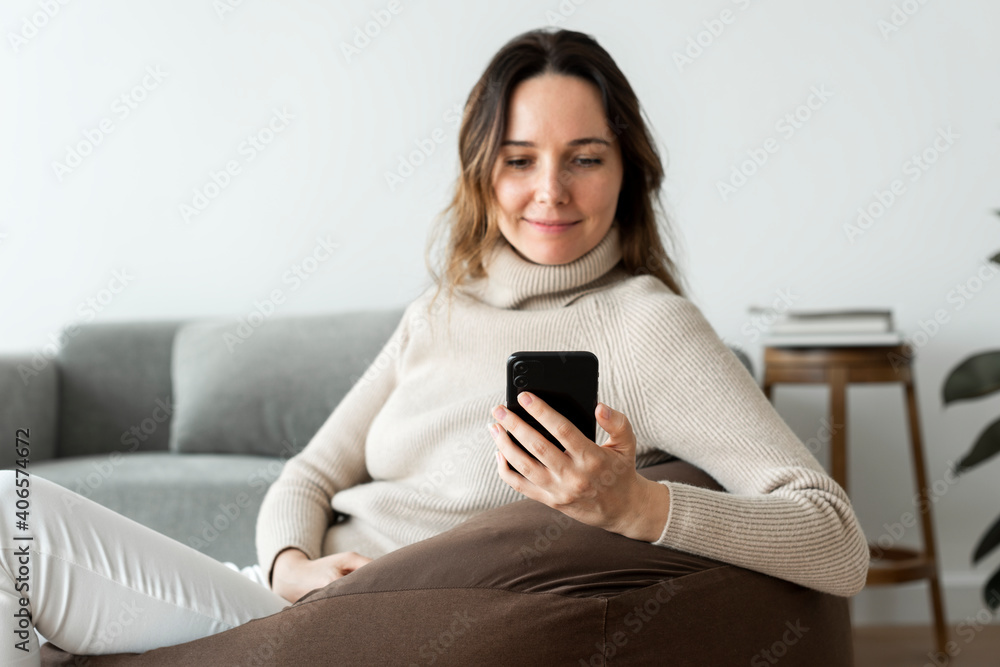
(525, 585)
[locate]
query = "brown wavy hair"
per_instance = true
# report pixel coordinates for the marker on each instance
(470, 221)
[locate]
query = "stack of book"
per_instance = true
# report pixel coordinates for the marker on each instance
(825, 328)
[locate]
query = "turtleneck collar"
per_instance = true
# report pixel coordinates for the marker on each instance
(516, 283)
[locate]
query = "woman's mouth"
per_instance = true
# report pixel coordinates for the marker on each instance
(550, 226)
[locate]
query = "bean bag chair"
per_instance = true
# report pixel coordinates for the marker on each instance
(523, 584)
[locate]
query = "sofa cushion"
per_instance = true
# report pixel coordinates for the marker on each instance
(266, 390)
(523, 584)
(208, 501)
(29, 385)
(114, 387)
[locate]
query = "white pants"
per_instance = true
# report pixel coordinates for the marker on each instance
(98, 582)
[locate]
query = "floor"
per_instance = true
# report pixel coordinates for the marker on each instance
(913, 646)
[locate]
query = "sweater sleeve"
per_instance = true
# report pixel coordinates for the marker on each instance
(296, 509)
(781, 513)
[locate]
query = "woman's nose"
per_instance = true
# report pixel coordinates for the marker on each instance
(552, 185)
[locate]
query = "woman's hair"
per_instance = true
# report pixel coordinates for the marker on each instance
(470, 219)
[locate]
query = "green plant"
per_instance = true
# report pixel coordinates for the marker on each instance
(976, 376)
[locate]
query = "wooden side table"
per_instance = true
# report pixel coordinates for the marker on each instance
(838, 367)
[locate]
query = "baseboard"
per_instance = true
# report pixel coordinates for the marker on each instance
(910, 604)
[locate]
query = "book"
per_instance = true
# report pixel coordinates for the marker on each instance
(887, 338)
(824, 314)
(844, 325)
(826, 321)
(847, 327)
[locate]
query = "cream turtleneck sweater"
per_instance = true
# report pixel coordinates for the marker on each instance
(406, 454)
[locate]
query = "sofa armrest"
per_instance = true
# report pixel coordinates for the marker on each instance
(744, 359)
(29, 398)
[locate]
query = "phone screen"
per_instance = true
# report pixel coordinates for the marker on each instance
(567, 381)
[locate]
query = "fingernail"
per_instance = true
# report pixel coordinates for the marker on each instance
(602, 410)
(524, 397)
(493, 429)
(499, 412)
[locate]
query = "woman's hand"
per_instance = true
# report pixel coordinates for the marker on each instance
(596, 485)
(295, 575)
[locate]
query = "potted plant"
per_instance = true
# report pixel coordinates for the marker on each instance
(979, 375)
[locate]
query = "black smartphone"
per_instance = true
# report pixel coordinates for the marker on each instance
(567, 381)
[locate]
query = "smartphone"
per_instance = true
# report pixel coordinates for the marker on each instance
(567, 381)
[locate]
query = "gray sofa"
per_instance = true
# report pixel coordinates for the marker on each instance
(183, 425)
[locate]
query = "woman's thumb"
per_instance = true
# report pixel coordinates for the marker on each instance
(350, 561)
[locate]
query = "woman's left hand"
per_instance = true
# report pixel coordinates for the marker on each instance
(594, 484)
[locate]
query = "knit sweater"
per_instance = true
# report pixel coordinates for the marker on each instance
(406, 453)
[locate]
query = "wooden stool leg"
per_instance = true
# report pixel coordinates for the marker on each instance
(940, 626)
(837, 377)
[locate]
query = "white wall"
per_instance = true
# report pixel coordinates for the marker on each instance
(226, 72)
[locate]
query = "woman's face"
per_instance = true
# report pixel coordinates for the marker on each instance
(559, 164)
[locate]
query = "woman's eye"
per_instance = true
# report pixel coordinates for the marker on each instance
(519, 163)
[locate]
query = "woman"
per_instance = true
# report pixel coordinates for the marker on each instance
(552, 244)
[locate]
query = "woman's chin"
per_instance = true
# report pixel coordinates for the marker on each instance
(550, 248)
(551, 256)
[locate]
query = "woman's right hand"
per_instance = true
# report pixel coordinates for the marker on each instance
(295, 575)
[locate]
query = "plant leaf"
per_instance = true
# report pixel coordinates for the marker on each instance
(987, 445)
(976, 376)
(987, 542)
(991, 591)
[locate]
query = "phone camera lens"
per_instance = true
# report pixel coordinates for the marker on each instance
(520, 367)
(520, 381)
